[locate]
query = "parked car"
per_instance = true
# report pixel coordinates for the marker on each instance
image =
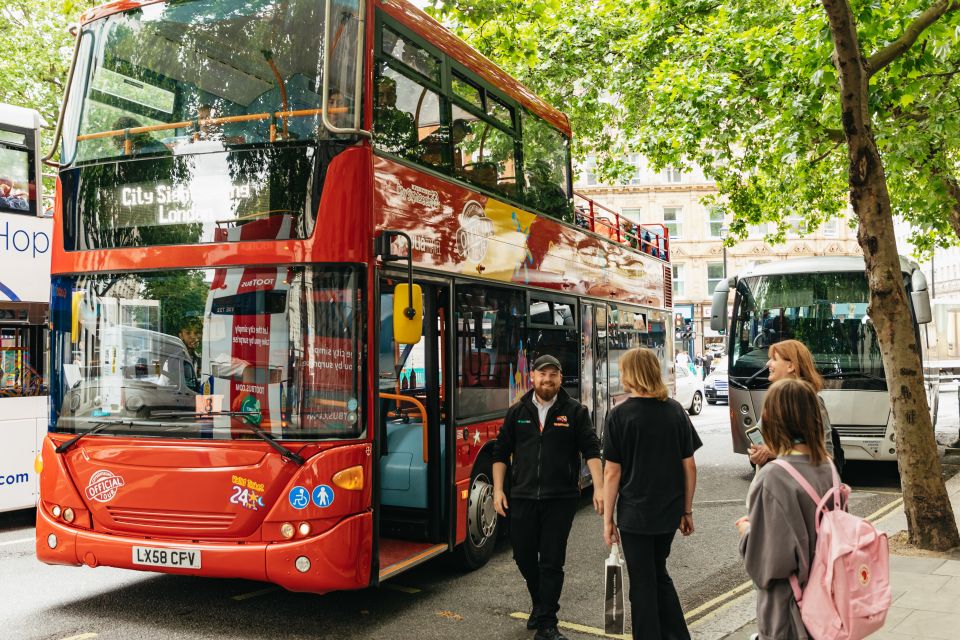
(715, 386)
(689, 390)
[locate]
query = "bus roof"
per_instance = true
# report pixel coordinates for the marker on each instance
(431, 30)
(831, 264)
(438, 35)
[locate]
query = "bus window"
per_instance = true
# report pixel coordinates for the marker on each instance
(545, 153)
(17, 186)
(484, 154)
(406, 120)
(494, 368)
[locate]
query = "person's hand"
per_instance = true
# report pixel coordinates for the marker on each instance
(760, 454)
(610, 533)
(686, 524)
(500, 503)
(598, 500)
(742, 525)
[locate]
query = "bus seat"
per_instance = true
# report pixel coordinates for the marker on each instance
(403, 473)
(476, 369)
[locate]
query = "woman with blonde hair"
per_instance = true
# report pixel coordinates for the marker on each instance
(778, 536)
(792, 359)
(650, 476)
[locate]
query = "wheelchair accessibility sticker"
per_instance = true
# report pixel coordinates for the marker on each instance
(323, 496)
(299, 497)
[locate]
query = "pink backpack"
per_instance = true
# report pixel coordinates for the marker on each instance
(848, 592)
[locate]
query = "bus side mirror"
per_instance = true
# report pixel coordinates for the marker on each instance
(407, 317)
(718, 309)
(920, 297)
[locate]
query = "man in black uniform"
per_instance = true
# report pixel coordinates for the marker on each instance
(545, 433)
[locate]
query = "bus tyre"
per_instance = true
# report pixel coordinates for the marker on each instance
(481, 538)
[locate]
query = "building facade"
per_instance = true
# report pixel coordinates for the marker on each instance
(699, 258)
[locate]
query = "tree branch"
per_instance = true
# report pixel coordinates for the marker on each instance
(895, 49)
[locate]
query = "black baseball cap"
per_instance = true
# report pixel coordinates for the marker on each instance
(546, 361)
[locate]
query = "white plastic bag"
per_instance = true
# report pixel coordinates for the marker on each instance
(614, 616)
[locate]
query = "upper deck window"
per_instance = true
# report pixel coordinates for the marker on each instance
(545, 166)
(192, 77)
(18, 189)
(413, 56)
(407, 117)
(467, 91)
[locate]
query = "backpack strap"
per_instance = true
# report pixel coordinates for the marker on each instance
(806, 486)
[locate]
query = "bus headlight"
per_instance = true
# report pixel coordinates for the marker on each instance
(304, 528)
(52, 541)
(56, 511)
(302, 564)
(286, 530)
(68, 515)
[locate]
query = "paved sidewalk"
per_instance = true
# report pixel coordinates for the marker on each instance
(926, 590)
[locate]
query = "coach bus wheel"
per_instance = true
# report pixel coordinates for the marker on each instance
(481, 538)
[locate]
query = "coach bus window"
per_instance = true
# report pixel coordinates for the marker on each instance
(190, 77)
(22, 344)
(552, 332)
(629, 328)
(545, 161)
(406, 118)
(494, 368)
(184, 348)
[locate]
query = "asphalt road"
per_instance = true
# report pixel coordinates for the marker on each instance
(42, 602)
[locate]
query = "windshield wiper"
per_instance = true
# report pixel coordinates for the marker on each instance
(853, 374)
(260, 433)
(102, 425)
(745, 384)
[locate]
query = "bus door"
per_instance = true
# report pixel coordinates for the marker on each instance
(413, 430)
(601, 397)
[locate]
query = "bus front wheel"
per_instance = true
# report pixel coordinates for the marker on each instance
(481, 538)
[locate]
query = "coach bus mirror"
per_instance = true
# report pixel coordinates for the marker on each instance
(407, 317)
(718, 309)
(920, 297)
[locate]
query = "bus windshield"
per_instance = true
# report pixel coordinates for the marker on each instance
(209, 352)
(188, 77)
(825, 311)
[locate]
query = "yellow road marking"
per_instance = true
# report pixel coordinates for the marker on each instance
(580, 628)
(400, 588)
(82, 636)
(733, 593)
(254, 594)
(885, 510)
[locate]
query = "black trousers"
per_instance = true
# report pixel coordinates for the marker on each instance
(654, 603)
(538, 531)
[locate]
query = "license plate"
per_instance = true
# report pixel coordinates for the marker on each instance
(721, 394)
(172, 558)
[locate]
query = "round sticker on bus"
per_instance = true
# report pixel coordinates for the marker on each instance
(251, 406)
(299, 497)
(323, 496)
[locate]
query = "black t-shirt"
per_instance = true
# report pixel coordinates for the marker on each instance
(649, 438)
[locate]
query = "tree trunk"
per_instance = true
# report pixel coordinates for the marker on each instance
(930, 520)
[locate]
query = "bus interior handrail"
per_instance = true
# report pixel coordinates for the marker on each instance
(423, 412)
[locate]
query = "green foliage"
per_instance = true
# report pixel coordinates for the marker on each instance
(37, 51)
(182, 297)
(747, 90)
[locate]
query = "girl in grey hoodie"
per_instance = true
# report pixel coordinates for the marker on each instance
(779, 534)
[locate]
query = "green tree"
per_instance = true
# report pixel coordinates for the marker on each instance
(792, 108)
(38, 46)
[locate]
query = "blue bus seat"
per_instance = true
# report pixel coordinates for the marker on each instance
(403, 473)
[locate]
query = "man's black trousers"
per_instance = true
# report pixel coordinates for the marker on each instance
(654, 605)
(538, 532)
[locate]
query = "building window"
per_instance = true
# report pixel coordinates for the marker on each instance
(590, 171)
(635, 161)
(796, 224)
(831, 227)
(631, 213)
(758, 230)
(673, 175)
(678, 281)
(714, 276)
(716, 222)
(673, 222)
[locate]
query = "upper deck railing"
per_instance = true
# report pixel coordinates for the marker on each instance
(652, 239)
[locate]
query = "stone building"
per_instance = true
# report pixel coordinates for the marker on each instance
(699, 259)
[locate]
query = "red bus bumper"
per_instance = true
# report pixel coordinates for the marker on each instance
(339, 557)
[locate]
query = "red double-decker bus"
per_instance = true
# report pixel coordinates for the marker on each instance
(304, 255)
